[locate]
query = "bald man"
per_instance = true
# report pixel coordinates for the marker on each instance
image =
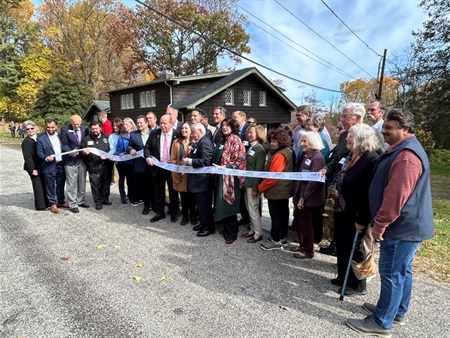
(74, 167)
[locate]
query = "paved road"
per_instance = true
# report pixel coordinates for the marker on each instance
(55, 280)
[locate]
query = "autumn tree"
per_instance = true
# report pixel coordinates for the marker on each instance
(77, 33)
(62, 95)
(196, 36)
(16, 34)
(432, 54)
(363, 91)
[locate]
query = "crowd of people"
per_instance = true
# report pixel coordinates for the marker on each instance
(383, 194)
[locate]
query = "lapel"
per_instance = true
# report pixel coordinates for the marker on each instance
(47, 140)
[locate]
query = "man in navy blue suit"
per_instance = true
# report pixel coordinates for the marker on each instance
(159, 145)
(142, 189)
(200, 184)
(74, 166)
(48, 144)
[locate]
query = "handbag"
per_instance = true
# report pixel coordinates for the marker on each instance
(366, 268)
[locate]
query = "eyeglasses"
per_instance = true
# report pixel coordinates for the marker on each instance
(345, 117)
(31, 128)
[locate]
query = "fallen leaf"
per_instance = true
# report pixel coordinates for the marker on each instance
(64, 258)
(163, 277)
(306, 280)
(137, 278)
(140, 265)
(117, 247)
(101, 246)
(283, 308)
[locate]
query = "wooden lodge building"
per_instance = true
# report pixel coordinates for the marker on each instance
(246, 89)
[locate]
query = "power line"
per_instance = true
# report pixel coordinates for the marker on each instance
(333, 67)
(320, 36)
(349, 28)
(231, 51)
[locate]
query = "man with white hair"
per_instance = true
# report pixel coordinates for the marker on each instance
(352, 114)
(200, 184)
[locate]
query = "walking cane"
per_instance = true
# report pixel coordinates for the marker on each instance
(349, 265)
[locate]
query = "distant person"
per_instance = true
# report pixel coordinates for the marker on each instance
(12, 129)
(198, 116)
(20, 130)
(251, 120)
(302, 114)
(32, 165)
(105, 123)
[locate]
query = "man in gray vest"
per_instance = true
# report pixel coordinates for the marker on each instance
(402, 217)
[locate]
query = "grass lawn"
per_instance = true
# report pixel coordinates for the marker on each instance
(432, 259)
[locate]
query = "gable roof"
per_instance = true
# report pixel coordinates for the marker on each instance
(202, 95)
(100, 105)
(175, 80)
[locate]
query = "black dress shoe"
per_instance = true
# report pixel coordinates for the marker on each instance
(184, 221)
(204, 233)
(194, 221)
(197, 227)
(173, 218)
(145, 211)
(157, 217)
(336, 282)
(107, 202)
(75, 210)
(98, 207)
(350, 292)
(84, 205)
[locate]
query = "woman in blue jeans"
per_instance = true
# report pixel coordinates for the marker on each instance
(125, 168)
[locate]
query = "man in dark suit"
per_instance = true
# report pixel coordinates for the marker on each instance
(48, 144)
(200, 184)
(173, 113)
(74, 166)
(159, 145)
(152, 121)
(142, 186)
(241, 118)
(219, 114)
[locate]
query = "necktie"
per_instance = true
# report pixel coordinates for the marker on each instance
(166, 149)
(77, 137)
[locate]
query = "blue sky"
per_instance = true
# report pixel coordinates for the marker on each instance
(379, 23)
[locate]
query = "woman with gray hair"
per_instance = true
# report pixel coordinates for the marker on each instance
(308, 195)
(352, 203)
(32, 165)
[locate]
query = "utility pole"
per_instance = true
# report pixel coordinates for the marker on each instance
(380, 84)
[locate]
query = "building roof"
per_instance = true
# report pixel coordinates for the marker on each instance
(100, 105)
(202, 95)
(175, 80)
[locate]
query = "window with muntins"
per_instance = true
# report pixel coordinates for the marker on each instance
(148, 99)
(262, 98)
(126, 101)
(247, 97)
(229, 97)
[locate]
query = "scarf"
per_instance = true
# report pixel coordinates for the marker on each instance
(233, 155)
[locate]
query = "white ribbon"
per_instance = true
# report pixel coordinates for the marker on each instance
(299, 176)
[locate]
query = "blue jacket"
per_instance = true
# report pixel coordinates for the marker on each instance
(44, 149)
(415, 222)
(122, 147)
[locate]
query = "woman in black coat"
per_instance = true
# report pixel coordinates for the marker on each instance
(32, 165)
(354, 214)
